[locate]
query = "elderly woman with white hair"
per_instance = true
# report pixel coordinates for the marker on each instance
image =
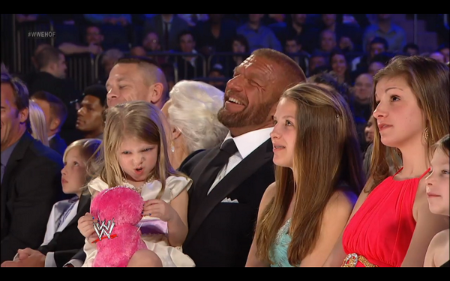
(192, 115)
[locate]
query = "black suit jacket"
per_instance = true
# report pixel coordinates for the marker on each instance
(31, 185)
(220, 234)
(155, 24)
(58, 144)
(68, 242)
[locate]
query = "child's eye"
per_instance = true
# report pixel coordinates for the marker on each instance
(125, 152)
(445, 172)
(288, 123)
(147, 149)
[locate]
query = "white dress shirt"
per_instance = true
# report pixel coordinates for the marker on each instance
(245, 144)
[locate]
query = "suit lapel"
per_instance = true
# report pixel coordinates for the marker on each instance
(14, 160)
(230, 182)
(83, 207)
(198, 192)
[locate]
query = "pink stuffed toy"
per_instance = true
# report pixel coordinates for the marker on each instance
(117, 210)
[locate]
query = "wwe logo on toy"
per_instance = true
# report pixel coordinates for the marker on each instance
(104, 230)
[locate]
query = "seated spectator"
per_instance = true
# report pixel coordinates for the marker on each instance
(299, 26)
(108, 60)
(30, 172)
(340, 66)
(376, 46)
(293, 48)
(375, 66)
(411, 49)
(214, 34)
(138, 51)
(90, 115)
(36, 124)
(193, 19)
(217, 78)
(259, 35)
(394, 34)
(38, 48)
(363, 91)
(348, 35)
(113, 19)
(317, 60)
(93, 43)
(193, 130)
(52, 78)
(151, 43)
(239, 45)
(437, 194)
(168, 27)
(327, 42)
(190, 65)
(62, 238)
(55, 112)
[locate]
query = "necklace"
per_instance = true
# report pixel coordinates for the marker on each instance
(139, 189)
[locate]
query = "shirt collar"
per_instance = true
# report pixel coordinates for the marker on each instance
(248, 142)
(6, 154)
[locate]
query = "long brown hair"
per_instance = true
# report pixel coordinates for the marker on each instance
(133, 119)
(429, 81)
(326, 154)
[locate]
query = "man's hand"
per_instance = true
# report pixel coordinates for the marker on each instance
(32, 258)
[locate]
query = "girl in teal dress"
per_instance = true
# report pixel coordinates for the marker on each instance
(317, 181)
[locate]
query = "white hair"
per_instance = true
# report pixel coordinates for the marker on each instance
(38, 125)
(193, 110)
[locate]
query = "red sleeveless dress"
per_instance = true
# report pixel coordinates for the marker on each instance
(381, 230)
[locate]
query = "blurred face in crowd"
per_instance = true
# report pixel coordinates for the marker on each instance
(12, 120)
(327, 40)
(93, 35)
(375, 49)
(317, 61)
(374, 67)
(369, 131)
(291, 47)
(339, 64)
(90, 118)
(364, 87)
(151, 42)
(238, 47)
(187, 43)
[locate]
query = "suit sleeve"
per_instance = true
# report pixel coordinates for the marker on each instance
(36, 189)
(62, 257)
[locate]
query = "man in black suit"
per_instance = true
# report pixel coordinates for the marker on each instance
(30, 174)
(64, 245)
(52, 78)
(167, 26)
(55, 112)
(224, 197)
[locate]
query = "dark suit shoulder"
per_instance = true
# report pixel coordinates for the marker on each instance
(42, 152)
(192, 160)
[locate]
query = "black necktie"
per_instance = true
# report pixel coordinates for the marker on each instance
(166, 36)
(227, 149)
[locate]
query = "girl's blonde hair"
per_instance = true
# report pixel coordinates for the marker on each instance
(138, 119)
(89, 152)
(37, 124)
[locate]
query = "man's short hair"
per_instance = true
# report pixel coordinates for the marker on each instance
(20, 90)
(57, 106)
(47, 56)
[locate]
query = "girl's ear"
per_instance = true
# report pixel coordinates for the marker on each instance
(175, 133)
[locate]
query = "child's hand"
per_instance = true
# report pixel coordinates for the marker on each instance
(158, 208)
(86, 225)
